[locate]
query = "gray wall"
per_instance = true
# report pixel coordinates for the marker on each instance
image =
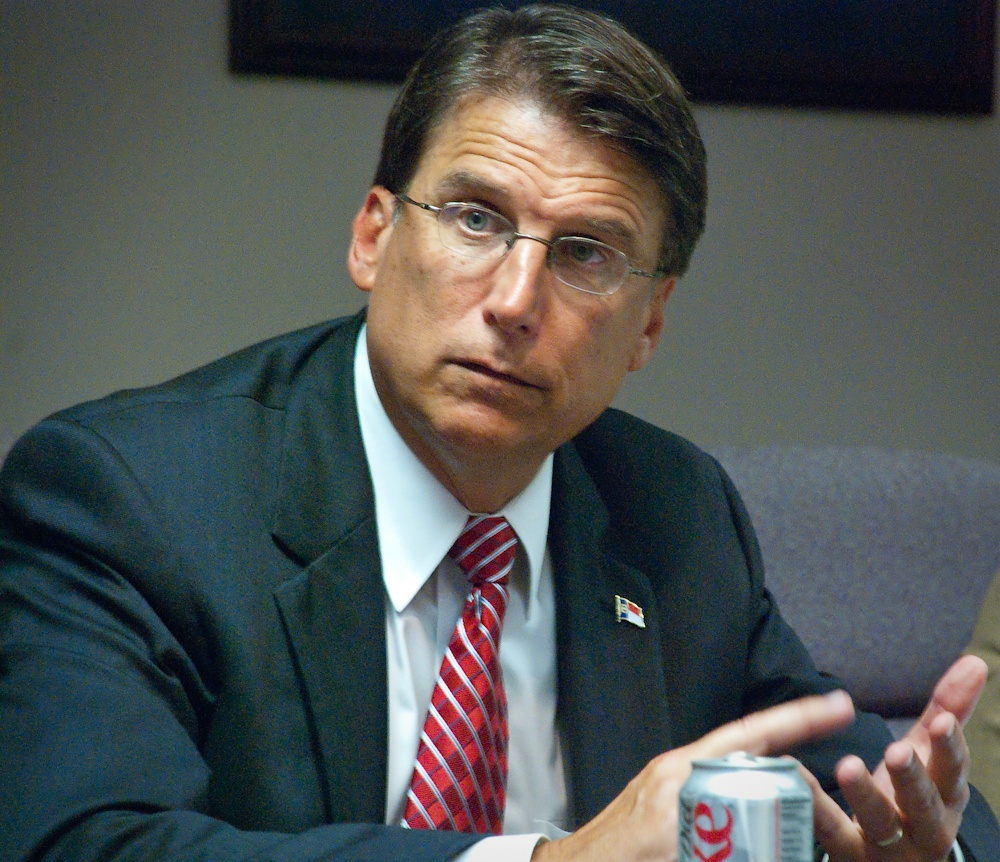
(157, 212)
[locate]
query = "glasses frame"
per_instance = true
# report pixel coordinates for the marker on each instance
(548, 243)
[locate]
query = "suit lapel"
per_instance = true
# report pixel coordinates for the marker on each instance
(335, 621)
(612, 695)
(334, 611)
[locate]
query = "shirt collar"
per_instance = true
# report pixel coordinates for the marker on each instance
(418, 520)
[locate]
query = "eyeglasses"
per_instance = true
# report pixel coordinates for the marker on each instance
(478, 232)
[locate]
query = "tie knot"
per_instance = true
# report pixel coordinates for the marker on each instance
(485, 549)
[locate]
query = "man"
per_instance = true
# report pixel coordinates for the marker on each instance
(983, 731)
(227, 599)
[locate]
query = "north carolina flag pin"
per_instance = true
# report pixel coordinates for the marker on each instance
(628, 611)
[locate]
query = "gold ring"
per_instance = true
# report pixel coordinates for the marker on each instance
(892, 840)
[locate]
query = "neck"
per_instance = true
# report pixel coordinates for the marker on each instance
(486, 485)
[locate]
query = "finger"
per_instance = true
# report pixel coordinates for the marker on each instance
(928, 824)
(835, 831)
(957, 691)
(875, 812)
(950, 761)
(779, 728)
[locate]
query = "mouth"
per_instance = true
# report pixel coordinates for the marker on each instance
(495, 374)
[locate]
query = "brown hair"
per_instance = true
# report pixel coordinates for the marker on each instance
(584, 68)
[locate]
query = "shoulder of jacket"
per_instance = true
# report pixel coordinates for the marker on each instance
(262, 372)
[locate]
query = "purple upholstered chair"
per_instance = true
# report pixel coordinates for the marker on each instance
(878, 558)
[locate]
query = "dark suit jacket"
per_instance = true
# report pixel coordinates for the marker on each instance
(193, 652)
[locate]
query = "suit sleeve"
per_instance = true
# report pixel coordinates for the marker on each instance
(104, 707)
(779, 668)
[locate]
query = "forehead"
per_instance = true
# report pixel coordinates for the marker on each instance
(529, 157)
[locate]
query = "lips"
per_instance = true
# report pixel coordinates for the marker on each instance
(495, 374)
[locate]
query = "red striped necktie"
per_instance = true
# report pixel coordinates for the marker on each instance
(460, 778)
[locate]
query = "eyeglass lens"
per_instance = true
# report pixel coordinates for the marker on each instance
(579, 262)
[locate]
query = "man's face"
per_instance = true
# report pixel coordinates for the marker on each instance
(484, 370)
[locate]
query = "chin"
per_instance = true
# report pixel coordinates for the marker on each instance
(494, 437)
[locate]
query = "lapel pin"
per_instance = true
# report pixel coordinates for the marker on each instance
(627, 611)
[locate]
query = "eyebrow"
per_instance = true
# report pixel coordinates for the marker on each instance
(460, 185)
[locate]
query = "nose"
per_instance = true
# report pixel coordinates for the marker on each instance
(515, 298)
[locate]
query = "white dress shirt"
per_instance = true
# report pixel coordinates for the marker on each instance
(418, 520)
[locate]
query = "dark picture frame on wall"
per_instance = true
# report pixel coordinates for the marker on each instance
(935, 56)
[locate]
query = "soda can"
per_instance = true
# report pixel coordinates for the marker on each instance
(743, 808)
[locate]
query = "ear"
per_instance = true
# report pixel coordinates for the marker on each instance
(653, 323)
(369, 232)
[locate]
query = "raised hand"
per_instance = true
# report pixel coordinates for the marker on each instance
(910, 808)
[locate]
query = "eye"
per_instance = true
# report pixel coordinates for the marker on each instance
(473, 221)
(585, 252)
